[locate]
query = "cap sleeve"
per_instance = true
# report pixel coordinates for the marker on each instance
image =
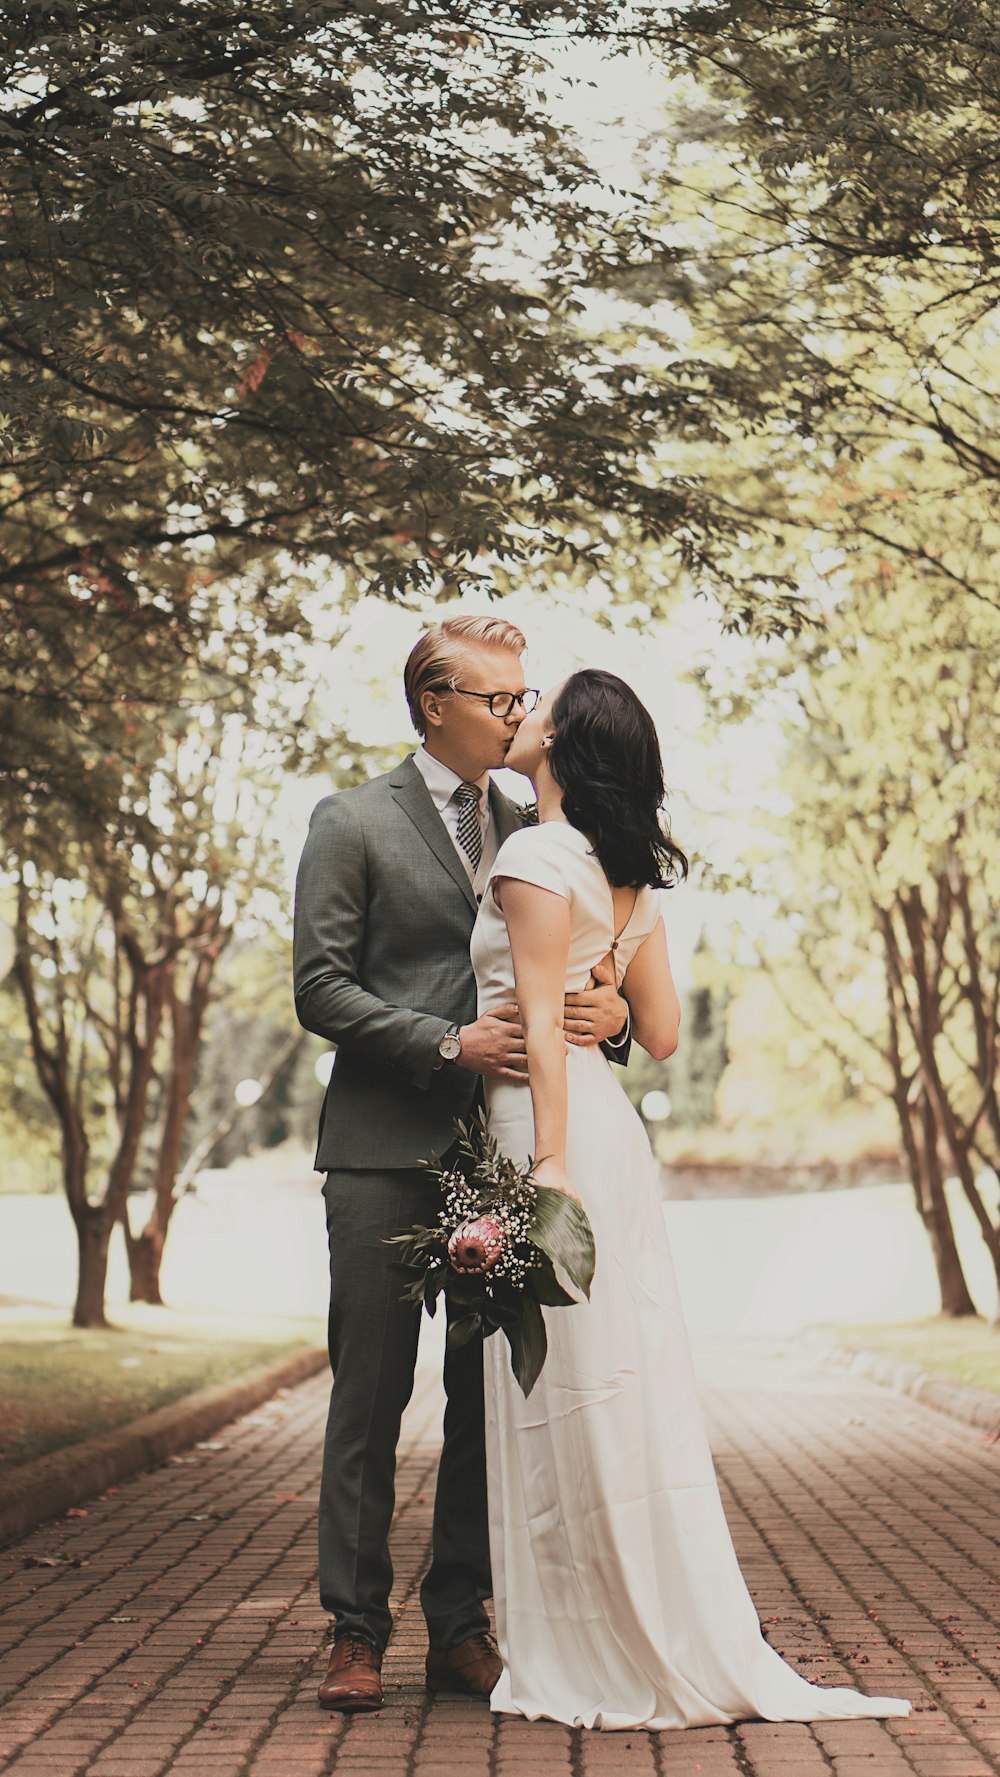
(529, 857)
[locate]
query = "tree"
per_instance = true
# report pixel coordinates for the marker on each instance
(28, 1135)
(93, 1049)
(691, 1077)
(889, 105)
(293, 289)
(693, 1074)
(887, 876)
(306, 287)
(825, 241)
(118, 949)
(224, 1127)
(299, 299)
(828, 223)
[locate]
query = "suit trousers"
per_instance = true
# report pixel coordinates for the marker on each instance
(373, 1347)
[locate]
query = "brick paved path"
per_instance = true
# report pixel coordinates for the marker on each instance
(179, 1630)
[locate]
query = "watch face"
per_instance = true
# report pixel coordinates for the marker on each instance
(450, 1048)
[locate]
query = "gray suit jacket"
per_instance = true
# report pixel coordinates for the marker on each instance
(383, 917)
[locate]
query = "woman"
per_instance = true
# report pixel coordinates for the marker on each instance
(619, 1600)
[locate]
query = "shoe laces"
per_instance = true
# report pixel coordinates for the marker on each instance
(358, 1647)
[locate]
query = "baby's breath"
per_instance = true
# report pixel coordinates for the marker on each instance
(498, 1188)
(462, 1200)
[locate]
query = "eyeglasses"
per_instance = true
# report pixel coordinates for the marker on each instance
(501, 702)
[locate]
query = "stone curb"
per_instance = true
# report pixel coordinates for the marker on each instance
(974, 1406)
(47, 1487)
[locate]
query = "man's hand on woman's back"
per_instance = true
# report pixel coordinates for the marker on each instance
(495, 1045)
(597, 1013)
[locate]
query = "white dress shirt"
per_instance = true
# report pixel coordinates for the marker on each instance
(442, 784)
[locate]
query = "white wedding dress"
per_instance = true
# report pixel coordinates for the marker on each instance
(619, 1599)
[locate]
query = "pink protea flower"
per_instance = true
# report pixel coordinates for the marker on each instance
(476, 1245)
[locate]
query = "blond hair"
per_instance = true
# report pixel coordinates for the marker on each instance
(435, 661)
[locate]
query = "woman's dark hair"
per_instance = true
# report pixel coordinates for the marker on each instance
(605, 757)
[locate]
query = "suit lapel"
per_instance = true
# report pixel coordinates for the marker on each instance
(504, 813)
(414, 798)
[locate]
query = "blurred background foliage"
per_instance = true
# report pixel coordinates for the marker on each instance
(335, 302)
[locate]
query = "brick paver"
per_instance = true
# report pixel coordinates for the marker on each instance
(173, 1626)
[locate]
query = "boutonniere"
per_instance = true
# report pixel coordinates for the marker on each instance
(528, 814)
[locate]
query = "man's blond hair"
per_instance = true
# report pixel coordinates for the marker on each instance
(436, 660)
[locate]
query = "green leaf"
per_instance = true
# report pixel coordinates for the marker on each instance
(464, 1290)
(504, 1304)
(528, 1343)
(543, 1284)
(431, 1288)
(415, 1249)
(465, 1328)
(561, 1229)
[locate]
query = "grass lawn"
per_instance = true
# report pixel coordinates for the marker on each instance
(966, 1350)
(59, 1385)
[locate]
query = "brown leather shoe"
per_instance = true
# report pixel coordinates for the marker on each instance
(472, 1667)
(353, 1679)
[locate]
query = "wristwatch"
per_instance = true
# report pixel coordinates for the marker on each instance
(450, 1046)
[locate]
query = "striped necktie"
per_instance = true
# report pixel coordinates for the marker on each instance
(469, 832)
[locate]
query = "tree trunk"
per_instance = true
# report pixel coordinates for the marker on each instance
(926, 1023)
(956, 1299)
(920, 1143)
(918, 1127)
(93, 1233)
(204, 1150)
(967, 1179)
(145, 1252)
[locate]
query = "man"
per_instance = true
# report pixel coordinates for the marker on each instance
(385, 904)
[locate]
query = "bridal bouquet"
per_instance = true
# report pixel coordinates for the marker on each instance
(494, 1250)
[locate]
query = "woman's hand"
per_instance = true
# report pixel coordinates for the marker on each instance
(554, 1177)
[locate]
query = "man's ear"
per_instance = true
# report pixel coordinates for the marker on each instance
(431, 703)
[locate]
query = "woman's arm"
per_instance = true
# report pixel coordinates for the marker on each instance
(538, 924)
(649, 988)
